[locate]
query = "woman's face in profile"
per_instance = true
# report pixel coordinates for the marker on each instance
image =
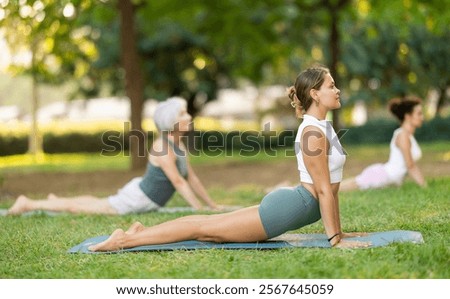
(184, 121)
(416, 116)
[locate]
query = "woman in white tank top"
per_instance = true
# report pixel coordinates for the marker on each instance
(284, 209)
(404, 151)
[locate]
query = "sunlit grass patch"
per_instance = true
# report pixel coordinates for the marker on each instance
(71, 162)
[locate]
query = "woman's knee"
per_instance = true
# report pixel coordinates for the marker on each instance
(205, 233)
(200, 227)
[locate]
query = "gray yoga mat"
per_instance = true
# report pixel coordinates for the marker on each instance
(377, 239)
(4, 212)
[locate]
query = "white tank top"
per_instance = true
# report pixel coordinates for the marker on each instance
(396, 165)
(336, 155)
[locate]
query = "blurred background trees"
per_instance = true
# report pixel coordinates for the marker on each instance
(376, 50)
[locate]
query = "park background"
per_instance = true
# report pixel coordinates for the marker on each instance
(75, 72)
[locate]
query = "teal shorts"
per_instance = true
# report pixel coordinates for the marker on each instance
(288, 209)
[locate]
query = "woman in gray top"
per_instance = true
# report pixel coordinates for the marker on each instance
(168, 171)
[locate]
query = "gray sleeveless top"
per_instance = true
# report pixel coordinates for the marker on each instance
(156, 185)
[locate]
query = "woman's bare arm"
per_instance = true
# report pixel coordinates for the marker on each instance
(198, 188)
(314, 151)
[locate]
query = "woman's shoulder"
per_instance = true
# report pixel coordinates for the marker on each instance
(160, 149)
(402, 132)
(309, 126)
(402, 138)
(157, 144)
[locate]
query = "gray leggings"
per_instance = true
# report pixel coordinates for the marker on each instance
(288, 209)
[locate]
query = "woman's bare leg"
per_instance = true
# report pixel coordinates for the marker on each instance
(348, 185)
(21, 205)
(243, 225)
(82, 204)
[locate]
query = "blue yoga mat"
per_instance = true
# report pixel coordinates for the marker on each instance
(377, 239)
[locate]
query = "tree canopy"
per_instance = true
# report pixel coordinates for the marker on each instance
(156, 49)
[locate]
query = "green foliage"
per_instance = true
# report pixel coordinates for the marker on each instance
(387, 48)
(37, 246)
(179, 62)
(46, 29)
(266, 41)
(417, 62)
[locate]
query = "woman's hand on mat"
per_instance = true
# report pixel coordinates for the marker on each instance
(353, 234)
(207, 209)
(352, 244)
(215, 208)
(222, 208)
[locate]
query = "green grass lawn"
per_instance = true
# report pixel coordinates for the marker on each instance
(36, 246)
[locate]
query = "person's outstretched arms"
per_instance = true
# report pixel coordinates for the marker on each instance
(199, 189)
(403, 142)
(348, 185)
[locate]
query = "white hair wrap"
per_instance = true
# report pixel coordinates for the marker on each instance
(167, 112)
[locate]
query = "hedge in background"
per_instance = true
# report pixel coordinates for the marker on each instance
(379, 131)
(13, 145)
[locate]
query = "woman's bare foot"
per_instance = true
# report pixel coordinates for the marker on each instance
(114, 242)
(52, 196)
(21, 206)
(134, 228)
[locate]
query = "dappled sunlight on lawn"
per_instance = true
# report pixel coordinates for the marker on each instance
(446, 157)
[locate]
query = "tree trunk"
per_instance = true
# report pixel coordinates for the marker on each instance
(334, 52)
(134, 84)
(34, 139)
(441, 102)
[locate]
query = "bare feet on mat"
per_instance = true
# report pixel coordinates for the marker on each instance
(134, 228)
(52, 196)
(114, 242)
(20, 206)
